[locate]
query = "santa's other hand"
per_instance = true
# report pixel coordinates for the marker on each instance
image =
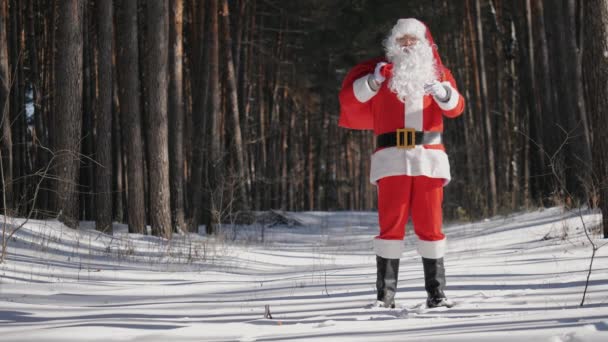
(436, 89)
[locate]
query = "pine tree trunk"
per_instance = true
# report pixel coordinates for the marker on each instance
(579, 151)
(6, 148)
(234, 108)
(36, 55)
(156, 58)
(17, 103)
(50, 12)
(118, 182)
(486, 112)
(545, 93)
(68, 108)
(103, 120)
(595, 73)
(200, 91)
(176, 113)
(130, 111)
(87, 148)
(212, 217)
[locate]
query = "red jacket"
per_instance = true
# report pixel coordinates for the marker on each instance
(382, 111)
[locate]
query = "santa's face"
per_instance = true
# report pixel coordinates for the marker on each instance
(407, 40)
(413, 65)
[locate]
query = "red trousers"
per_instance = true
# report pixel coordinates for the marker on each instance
(418, 196)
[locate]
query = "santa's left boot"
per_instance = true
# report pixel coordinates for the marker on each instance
(434, 283)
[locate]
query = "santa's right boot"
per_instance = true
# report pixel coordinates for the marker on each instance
(434, 283)
(386, 282)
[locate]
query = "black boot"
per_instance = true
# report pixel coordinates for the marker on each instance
(434, 283)
(386, 282)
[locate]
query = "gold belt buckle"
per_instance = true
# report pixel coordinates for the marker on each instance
(402, 138)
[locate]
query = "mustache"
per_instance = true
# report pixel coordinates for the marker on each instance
(412, 68)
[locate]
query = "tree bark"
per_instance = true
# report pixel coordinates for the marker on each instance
(130, 111)
(176, 113)
(118, 172)
(578, 159)
(36, 56)
(595, 73)
(215, 164)
(234, 109)
(156, 58)
(6, 148)
(103, 120)
(486, 112)
(68, 108)
(199, 108)
(88, 144)
(17, 102)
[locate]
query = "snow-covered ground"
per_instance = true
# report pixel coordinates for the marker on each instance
(519, 277)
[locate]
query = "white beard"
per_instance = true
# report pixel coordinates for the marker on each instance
(413, 67)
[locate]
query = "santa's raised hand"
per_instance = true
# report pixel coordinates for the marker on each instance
(383, 71)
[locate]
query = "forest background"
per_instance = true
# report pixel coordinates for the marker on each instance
(175, 113)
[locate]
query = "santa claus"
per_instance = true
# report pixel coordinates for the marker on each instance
(403, 98)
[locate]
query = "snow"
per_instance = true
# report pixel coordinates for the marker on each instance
(512, 277)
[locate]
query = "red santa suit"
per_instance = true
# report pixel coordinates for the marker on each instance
(410, 180)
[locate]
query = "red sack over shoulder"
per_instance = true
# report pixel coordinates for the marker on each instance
(355, 114)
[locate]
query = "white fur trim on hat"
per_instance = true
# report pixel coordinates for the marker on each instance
(410, 26)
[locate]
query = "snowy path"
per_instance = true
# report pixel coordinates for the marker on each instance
(512, 278)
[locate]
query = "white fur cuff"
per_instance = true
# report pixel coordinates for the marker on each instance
(362, 90)
(452, 101)
(388, 249)
(432, 249)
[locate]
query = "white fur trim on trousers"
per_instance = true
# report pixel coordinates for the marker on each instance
(388, 249)
(432, 249)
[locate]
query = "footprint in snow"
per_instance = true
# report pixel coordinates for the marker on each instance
(329, 323)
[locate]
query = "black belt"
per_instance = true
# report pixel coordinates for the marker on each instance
(407, 138)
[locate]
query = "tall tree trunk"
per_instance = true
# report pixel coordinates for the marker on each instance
(234, 108)
(68, 108)
(118, 172)
(6, 147)
(200, 92)
(579, 150)
(595, 72)
(103, 127)
(176, 113)
(215, 164)
(130, 111)
(89, 88)
(546, 138)
(36, 55)
(17, 102)
(486, 112)
(156, 57)
(472, 92)
(50, 11)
